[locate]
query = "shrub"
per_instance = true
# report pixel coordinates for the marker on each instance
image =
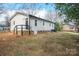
(58, 26)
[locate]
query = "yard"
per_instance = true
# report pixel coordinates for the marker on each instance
(44, 44)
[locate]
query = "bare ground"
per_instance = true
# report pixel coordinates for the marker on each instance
(44, 44)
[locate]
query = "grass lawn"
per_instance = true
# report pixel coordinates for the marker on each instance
(59, 43)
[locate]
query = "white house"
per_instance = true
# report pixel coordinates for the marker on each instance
(30, 22)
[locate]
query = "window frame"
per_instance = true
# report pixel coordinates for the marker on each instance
(52, 24)
(43, 23)
(35, 22)
(13, 22)
(49, 24)
(26, 24)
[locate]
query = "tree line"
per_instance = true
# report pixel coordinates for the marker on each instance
(71, 12)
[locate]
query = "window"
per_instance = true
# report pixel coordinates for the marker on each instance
(52, 25)
(43, 23)
(26, 18)
(26, 24)
(35, 22)
(49, 24)
(13, 22)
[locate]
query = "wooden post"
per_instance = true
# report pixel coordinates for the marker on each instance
(29, 30)
(21, 30)
(29, 25)
(16, 30)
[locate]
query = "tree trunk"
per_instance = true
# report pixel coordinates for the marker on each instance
(76, 26)
(78, 30)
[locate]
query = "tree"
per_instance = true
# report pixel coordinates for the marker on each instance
(49, 16)
(1, 8)
(4, 14)
(30, 7)
(71, 11)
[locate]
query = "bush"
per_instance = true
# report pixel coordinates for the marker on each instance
(58, 26)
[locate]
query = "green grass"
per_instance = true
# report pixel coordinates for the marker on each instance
(59, 43)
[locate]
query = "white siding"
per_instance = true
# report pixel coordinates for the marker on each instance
(19, 20)
(53, 26)
(40, 27)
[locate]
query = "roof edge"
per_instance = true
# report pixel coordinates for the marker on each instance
(29, 15)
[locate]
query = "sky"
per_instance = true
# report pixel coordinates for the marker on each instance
(42, 8)
(39, 6)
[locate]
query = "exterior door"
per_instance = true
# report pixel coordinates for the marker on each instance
(26, 24)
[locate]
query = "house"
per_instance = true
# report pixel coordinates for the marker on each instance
(29, 23)
(68, 27)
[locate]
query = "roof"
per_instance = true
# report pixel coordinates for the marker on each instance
(40, 18)
(17, 14)
(29, 15)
